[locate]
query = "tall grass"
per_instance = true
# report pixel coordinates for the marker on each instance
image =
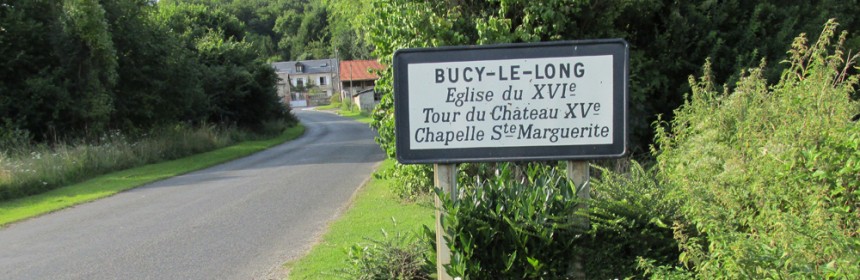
(31, 169)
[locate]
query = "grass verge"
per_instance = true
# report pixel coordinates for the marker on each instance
(372, 211)
(359, 116)
(331, 106)
(112, 183)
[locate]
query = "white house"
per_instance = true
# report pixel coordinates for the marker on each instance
(298, 79)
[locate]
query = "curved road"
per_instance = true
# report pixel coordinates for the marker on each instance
(238, 220)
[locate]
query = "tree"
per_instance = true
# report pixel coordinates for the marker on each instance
(347, 24)
(239, 86)
(63, 68)
(668, 39)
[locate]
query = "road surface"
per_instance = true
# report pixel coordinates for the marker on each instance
(238, 220)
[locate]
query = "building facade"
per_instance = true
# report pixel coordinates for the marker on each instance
(307, 82)
(357, 77)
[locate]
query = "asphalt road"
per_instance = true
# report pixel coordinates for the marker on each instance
(238, 220)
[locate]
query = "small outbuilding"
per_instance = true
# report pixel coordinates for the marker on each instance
(357, 77)
(366, 100)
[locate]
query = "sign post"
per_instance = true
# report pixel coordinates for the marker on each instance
(445, 179)
(511, 102)
(578, 172)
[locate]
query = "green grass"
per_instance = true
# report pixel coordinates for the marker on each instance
(331, 106)
(355, 114)
(372, 210)
(112, 183)
(359, 116)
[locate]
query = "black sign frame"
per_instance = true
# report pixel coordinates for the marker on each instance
(618, 48)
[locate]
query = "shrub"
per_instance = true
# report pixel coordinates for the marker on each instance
(522, 223)
(12, 138)
(414, 181)
(630, 223)
(400, 256)
(348, 105)
(766, 176)
(335, 99)
(505, 228)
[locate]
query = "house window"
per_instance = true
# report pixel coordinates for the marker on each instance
(300, 68)
(322, 81)
(300, 82)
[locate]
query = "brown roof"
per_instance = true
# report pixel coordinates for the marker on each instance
(358, 70)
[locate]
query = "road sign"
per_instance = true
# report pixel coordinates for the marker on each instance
(536, 101)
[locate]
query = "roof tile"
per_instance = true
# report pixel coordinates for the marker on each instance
(358, 70)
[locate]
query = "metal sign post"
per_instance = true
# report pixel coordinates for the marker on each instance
(510, 102)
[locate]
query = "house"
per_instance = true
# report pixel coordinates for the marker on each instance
(357, 76)
(307, 82)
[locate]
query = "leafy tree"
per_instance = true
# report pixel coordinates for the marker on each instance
(159, 83)
(740, 206)
(281, 29)
(310, 37)
(347, 23)
(239, 86)
(668, 39)
(76, 68)
(62, 67)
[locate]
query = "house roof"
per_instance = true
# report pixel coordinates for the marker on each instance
(362, 92)
(310, 66)
(358, 70)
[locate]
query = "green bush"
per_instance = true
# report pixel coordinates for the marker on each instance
(348, 105)
(630, 224)
(335, 99)
(504, 228)
(400, 257)
(524, 223)
(766, 176)
(414, 180)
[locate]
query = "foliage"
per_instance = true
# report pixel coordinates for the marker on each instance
(506, 228)
(335, 99)
(33, 169)
(348, 105)
(12, 138)
(279, 29)
(630, 224)
(347, 23)
(530, 214)
(766, 175)
(668, 39)
(159, 83)
(399, 256)
(369, 216)
(79, 69)
(744, 199)
(59, 67)
(109, 184)
(414, 180)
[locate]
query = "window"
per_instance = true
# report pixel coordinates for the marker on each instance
(300, 68)
(300, 82)
(322, 80)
